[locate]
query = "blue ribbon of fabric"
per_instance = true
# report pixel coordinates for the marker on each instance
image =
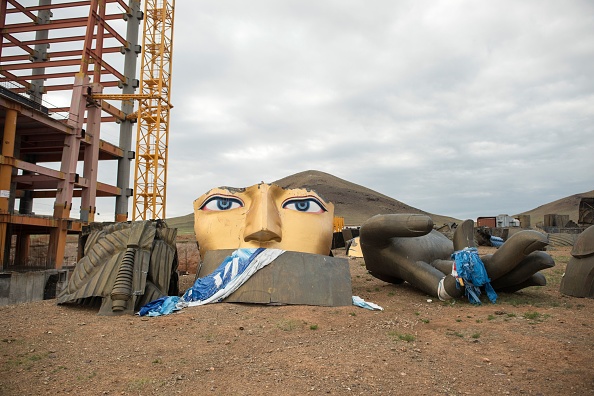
(472, 270)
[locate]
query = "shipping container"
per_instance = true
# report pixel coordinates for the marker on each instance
(490, 222)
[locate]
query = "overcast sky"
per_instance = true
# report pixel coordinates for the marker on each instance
(459, 108)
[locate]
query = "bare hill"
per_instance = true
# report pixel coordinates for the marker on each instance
(184, 224)
(564, 206)
(357, 203)
(353, 202)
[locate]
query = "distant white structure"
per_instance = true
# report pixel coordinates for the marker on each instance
(504, 220)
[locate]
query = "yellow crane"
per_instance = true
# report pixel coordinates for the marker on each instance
(152, 137)
(154, 105)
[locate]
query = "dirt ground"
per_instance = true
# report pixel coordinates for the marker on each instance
(534, 342)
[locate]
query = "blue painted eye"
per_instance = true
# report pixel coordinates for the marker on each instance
(309, 205)
(219, 203)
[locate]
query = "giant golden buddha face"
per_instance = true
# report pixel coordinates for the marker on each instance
(263, 215)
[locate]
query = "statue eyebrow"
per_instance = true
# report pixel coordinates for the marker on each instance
(301, 198)
(210, 197)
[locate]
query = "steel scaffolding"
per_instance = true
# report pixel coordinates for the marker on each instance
(74, 46)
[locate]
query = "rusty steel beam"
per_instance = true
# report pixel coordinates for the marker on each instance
(114, 111)
(101, 192)
(53, 6)
(15, 58)
(107, 152)
(112, 71)
(2, 23)
(118, 37)
(112, 149)
(37, 116)
(58, 109)
(38, 221)
(57, 54)
(67, 5)
(43, 150)
(35, 182)
(82, 182)
(31, 65)
(17, 43)
(11, 76)
(23, 10)
(69, 87)
(56, 24)
(107, 190)
(35, 136)
(27, 220)
(122, 4)
(46, 76)
(106, 50)
(27, 166)
(66, 39)
(62, 87)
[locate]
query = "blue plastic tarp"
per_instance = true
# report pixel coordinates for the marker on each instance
(233, 272)
(471, 269)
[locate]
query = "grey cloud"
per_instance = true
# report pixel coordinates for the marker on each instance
(458, 108)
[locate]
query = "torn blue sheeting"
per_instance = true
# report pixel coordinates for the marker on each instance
(161, 306)
(359, 302)
(233, 272)
(471, 269)
(496, 241)
(231, 266)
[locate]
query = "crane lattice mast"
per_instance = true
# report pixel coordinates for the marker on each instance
(152, 138)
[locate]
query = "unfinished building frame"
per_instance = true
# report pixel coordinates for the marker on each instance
(81, 48)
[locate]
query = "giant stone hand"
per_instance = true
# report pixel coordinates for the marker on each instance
(405, 247)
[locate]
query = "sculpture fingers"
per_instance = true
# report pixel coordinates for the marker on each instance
(379, 229)
(464, 235)
(537, 279)
(533, 263)
(513, 251)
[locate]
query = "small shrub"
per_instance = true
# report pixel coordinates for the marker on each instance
(532, 315)
(287, 325)
(313, 327)
(402, 336)
(406, 337)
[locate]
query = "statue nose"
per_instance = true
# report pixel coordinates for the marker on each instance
(263, 223)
